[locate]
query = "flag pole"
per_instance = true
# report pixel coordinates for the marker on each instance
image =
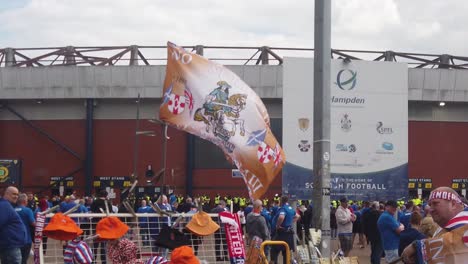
(321, 160)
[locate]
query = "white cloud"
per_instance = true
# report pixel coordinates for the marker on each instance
(361, 19)
(398, 25)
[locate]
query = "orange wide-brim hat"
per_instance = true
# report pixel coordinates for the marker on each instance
(201, 224)
(110, 228)
(183, 255)
(62, 227)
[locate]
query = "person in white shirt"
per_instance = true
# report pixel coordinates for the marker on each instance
(242, 219)
(115, 209)
(344, 221)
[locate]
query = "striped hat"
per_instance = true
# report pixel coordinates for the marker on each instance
(77, 252)
(157, 260)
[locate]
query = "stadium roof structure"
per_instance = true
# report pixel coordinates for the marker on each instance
(156, 55)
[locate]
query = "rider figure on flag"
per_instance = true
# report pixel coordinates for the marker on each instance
(218, 97)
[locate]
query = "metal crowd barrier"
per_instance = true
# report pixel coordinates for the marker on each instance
(141, 235)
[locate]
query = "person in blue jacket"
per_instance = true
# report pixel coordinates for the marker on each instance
(27, 217)
(390, 230)
(143, 222)
(12, 231)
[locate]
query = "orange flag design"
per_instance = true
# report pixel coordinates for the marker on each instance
(208, 100)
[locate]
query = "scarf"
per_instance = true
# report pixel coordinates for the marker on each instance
(40, 223)
(235, 242)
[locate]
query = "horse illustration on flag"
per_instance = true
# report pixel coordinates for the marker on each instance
(227, 112)
(220, 112)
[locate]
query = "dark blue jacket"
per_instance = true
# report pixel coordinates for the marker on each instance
(405, 219)
(407, 237)
(12, 230)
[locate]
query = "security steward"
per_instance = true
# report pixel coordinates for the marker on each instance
(286, 217)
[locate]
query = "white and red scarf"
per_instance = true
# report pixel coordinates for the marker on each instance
(235, 241)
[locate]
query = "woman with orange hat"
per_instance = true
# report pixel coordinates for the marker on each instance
(180, 255)
(119, 251)
(183, 255)
(96, 207)
(123, 252)
(62, 227)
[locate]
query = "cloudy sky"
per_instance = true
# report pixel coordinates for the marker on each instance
(422, 26)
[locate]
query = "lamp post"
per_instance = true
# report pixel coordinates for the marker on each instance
(164, 156)
(151, 133)
(164, 149)
(135, 146)
(321, 160)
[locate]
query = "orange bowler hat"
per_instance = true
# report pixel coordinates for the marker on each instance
(110, 228)
(62, 227)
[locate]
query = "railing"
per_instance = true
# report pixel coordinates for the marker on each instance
(156, 55)
(142, 231)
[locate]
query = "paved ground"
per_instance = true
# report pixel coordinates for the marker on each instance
(362, 253)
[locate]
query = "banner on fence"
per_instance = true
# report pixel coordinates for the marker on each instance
(234, 238)
(40, 223)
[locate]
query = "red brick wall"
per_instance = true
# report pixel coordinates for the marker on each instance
(113, 150)
(41, 158)
(437, 150)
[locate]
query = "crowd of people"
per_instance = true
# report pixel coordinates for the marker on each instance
(405, 231)
(17, 225)
(388, 227)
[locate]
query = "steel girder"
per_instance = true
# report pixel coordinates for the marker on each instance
(156, 55)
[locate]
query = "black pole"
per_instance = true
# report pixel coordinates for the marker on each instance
(20, 175)
(190, 164)
(164, 158)
(89, 146)
(135, 146)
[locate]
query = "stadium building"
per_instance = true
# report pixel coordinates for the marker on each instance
(82, 118)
